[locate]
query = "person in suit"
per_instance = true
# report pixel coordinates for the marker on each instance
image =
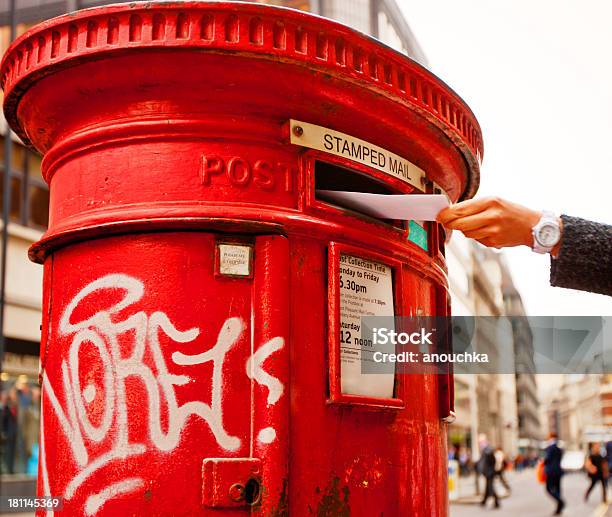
(552, 468)
(486, 466)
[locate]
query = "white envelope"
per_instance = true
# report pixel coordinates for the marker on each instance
(417, 207)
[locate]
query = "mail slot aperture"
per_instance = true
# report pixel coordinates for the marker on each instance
(332, 177)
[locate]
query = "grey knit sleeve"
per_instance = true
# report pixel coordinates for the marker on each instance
(584, 261)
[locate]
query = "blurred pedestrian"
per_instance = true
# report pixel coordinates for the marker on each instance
(8, 419)
(31, 424)
(580, 250)
(519, 462)
(453, 452)
(24, 401)
(553, 471)
(464, 462)
(597, 469)
(486, 466)
(609, 457)
(500, 466)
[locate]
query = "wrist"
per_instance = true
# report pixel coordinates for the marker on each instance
(532, 219)
(546, 233)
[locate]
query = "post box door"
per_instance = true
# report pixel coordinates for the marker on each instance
(164, 359)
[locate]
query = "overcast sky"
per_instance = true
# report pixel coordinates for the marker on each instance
(538, 76)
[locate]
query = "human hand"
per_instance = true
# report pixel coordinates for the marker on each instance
(492, 221)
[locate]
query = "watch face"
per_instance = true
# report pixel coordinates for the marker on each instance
(548, 235)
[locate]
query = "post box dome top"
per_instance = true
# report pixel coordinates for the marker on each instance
(249, 29)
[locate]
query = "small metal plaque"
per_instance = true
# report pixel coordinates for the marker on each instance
(231, 482)
(234, 259)
(360, 151)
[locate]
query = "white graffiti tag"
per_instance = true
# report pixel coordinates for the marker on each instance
(275, 387)
(103, 332)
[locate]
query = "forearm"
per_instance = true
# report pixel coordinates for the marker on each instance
(584, 259)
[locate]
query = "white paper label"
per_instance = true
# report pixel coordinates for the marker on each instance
(366, 289)
(234, 260)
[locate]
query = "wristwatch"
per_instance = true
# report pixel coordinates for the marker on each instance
(547, 233)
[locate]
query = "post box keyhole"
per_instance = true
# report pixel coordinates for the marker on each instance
(250, 492)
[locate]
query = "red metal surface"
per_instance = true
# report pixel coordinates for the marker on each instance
(164, 132)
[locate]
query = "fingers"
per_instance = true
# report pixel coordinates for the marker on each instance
(489, 242)
(487, 236)
(481, 233)
(472, 222)
(492, 235)
(492, 221)
(467, 208)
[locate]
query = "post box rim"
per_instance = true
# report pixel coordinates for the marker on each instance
(18, 71)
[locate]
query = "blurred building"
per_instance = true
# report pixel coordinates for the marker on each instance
(497, 415)
(581, 410)
(530, 432)
(464, 431)
(19, 393)
(493, 404)
(379, 18)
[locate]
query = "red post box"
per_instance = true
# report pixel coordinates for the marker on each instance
(199, 349)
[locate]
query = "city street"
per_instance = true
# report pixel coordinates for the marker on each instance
(529, 499)
(234, 229)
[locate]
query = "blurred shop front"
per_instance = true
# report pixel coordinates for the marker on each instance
(20, 400)
(19, 388)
